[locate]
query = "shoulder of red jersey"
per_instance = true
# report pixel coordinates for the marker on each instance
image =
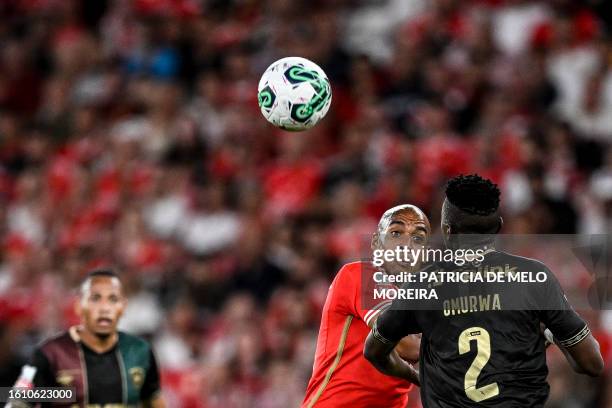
(356, 268)
(351, 276)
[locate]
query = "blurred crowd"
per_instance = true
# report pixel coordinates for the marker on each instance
(130, 136)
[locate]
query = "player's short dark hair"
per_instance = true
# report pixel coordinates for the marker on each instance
(97, 273)
(103, 272)
(473, 194)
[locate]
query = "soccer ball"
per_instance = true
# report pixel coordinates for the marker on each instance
(294, 94)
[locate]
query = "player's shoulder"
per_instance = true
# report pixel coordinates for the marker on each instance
(63, 337)
(135, 349)
(56, 345)
(435, 266)
(525, 263)
(354, 270)
(354, 267)
(350, 275)
(130, 340)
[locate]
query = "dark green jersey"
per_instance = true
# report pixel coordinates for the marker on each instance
(481, 342)
(123, 376)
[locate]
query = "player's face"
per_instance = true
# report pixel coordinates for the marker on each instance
(405, 229)
(101, 305)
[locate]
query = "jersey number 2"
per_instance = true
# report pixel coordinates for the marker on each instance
(483, 347)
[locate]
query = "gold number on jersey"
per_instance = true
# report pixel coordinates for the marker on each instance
(483, 347)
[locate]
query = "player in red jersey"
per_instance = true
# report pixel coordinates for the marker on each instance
(341, 376)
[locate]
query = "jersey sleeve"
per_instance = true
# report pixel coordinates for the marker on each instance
(151, 387)
(347, 292)
(43, 376)
(37, 373)
(558, 315)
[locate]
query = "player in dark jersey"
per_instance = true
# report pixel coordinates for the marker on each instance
(106, 367)
(481, 342)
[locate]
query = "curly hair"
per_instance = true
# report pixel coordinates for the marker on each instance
(473, 194)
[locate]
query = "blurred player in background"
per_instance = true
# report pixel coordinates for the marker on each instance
(106, 367)
(341, 376)
(491, 353)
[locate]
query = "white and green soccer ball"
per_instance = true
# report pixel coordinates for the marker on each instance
(294, 94)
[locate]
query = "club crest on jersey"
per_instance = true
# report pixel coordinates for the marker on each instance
(137, 374)
(64, 378)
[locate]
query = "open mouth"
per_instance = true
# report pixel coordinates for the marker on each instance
(104, 321)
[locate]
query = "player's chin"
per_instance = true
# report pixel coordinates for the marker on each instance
(104, 330)
(102, 334)
(398, 268)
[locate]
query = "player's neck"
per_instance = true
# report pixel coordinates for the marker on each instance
(97, 343)
(473, 241)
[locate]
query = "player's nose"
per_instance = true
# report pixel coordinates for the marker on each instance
(105, 309)
(408, 245)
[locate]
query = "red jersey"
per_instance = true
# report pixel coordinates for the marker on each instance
(341, 376)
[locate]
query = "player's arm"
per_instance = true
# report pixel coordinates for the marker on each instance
(156, 402)
(150, 394)
(408, 347)
(570, 331)
(584, 357)
(380, 346)
(37, 373)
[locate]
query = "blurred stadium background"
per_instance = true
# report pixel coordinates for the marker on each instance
(130, 136)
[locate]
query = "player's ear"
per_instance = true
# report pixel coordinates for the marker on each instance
(500, 224)
(446, 231)
(375, 243)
